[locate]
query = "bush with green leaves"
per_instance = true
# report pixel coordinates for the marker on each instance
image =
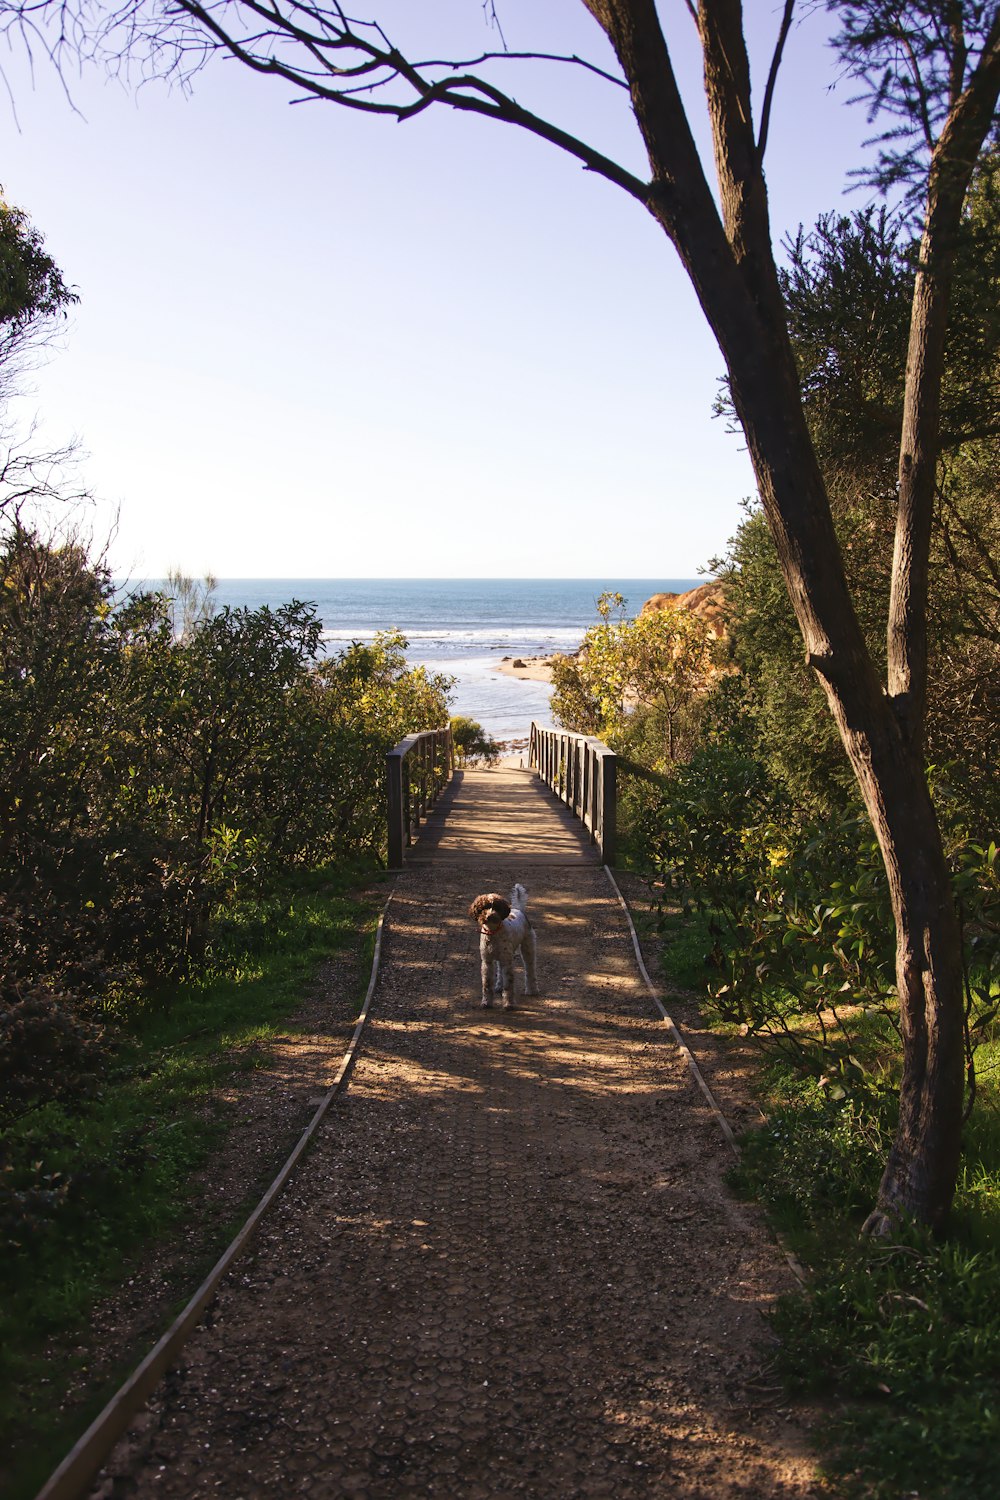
(147, 777)
(638, 683)
(900, 1341)
(473, 744)
(802, 956)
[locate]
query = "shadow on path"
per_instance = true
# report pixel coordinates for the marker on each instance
(509, 1267)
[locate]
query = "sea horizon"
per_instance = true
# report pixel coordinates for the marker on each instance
(462, 627)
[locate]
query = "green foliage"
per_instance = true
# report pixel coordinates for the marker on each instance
(900, 1341)
(472, 743)
(637, 683)
(813, 944)
(910, 61)
(638, 802)
(365, 701)
(797, 909)
(817, 1161)
(847, 286)
(46, 1049)
(772, 705)
(911, 1337)
(31, 284)
(150, 777)
(697, 844)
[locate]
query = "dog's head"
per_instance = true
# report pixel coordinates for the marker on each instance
(490, 911)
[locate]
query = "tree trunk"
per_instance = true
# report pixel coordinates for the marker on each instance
(920, 1174)
(731, 267)
(887, 760)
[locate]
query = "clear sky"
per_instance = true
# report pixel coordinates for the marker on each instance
(313, 343)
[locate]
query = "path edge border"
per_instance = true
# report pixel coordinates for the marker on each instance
(685, 1050)
(794, 1264)
(83, 1462)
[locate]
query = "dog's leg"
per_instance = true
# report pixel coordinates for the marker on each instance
(528, 953)
(487, 966)
(508, 983)
(497, 978)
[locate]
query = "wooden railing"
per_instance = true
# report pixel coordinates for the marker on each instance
(583, 773)
(415, 772)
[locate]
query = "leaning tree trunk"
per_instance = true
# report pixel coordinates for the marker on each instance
(920, 1174)
(726, 251)
(921, 1171)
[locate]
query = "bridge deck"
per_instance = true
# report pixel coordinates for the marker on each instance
(502, 817)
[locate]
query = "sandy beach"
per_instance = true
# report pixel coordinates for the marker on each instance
(527, 668)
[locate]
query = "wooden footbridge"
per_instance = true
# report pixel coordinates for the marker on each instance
(558, 809)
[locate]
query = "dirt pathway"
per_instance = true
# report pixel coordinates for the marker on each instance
(509, 1266)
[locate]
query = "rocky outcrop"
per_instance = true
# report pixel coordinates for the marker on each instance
(707, 601)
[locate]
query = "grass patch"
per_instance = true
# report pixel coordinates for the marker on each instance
(89, 1186)
(900, 1342)
(686, 944)
(908, 1337)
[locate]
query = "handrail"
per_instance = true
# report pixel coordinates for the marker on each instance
(582, 772)
(429, 759)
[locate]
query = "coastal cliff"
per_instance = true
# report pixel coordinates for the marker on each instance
(707, 601)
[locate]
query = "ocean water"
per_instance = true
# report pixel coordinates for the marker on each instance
(460, 626)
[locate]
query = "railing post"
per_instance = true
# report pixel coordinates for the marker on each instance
(394, 806)
(421, 778)
(587, 799)
(609, 809)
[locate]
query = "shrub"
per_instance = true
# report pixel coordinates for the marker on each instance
(46, 1049)
(148, 777)
(473, 745)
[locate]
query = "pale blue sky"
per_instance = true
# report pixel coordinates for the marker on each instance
(312, 343)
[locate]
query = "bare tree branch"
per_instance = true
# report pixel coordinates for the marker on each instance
(36, 480)
(371, 63)
(772, 77)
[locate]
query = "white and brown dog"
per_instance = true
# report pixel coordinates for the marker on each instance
(504, 931)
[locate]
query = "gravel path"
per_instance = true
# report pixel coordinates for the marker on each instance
(508, 1267)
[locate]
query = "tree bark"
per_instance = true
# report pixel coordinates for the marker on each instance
(952, 164)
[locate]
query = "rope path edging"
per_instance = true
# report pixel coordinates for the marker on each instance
(685, 1050)
(795, 1266)
(84, 1460)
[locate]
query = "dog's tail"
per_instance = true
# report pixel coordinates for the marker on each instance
(519, 898)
